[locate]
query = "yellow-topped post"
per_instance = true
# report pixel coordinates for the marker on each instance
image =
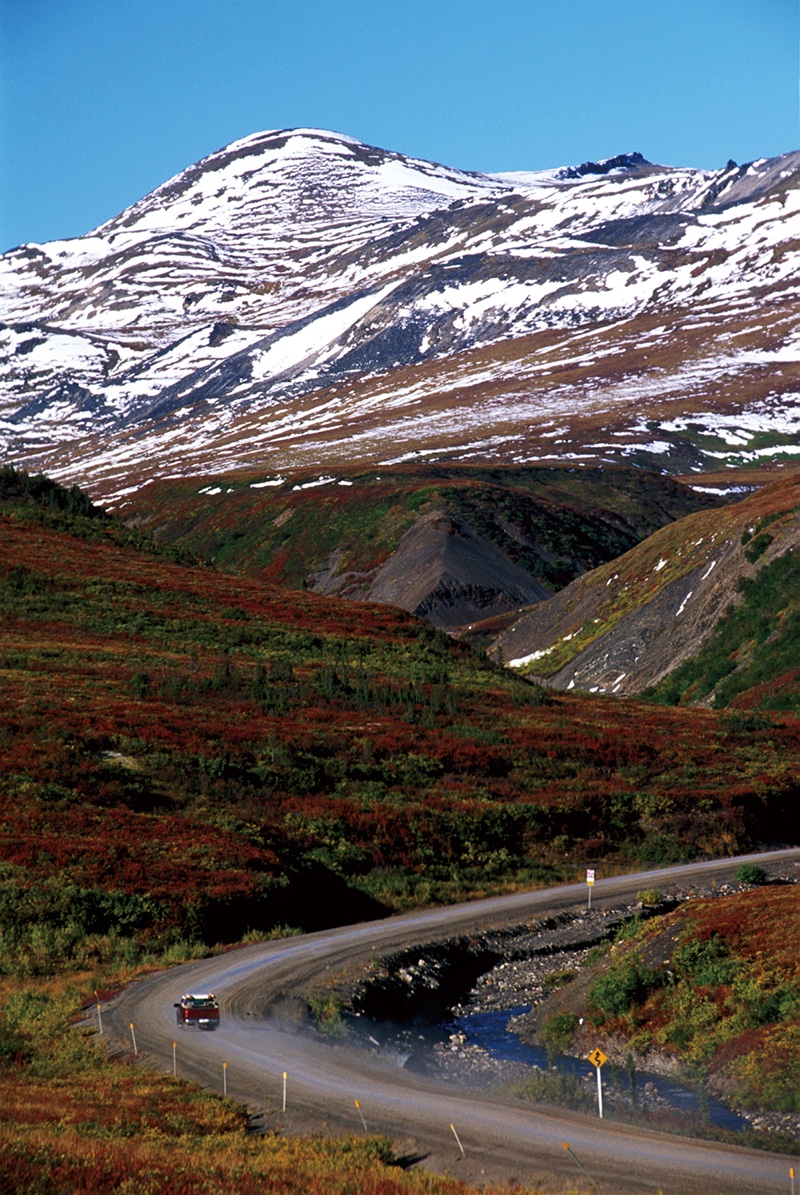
(597, 1058)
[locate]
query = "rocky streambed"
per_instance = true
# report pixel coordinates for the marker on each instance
(469, 1010)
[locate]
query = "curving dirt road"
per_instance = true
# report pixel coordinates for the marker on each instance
(502, 1138)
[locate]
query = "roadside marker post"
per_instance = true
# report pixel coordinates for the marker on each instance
(100, 1019)
(224, 1078)
(133, 1037)
(577, 1163)
(284, 1091)
(458, 1140)
(174, 1060)
(597, 1058)
(791, 1176)
(361, 1114)
(590, 884)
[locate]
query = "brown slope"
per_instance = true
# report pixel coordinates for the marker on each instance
(609, 394)
(630, 623)
(446, 573)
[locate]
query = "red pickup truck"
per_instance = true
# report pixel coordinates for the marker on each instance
(199, 1010)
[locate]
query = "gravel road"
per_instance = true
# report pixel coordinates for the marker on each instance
(502, 1138)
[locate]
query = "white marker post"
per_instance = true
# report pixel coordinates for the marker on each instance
(100, 1020)
(224, 1078)
(590, 883)
(174, 1060)
(284, 1091)
(458, 1139)
(133, 1037)
(597, 1058)
(361, 1114)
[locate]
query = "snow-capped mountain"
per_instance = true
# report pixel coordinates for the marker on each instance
(298, 299)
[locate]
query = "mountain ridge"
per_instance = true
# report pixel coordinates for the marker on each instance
(452, 543)
(298, 290)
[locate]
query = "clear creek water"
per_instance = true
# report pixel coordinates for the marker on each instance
(489, 1031)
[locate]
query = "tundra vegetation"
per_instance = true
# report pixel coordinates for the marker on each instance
(711, 988)
(715, 986)
(187, 758)
(71, 1120)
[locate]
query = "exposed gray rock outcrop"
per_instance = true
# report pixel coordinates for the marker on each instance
(445, 572)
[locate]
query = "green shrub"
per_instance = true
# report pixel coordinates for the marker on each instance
(18, 485)
(650, 898)
(761, 1002)
(751, 873)
(552, 1087)
(326, 1011)
(15, 1048)
(757, 547)
(558, 979)
(706, 962)
(626, 984)
(558, 1031)
(629, 928)
(739, 724)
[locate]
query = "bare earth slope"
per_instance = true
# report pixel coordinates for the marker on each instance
(630, 623)
(298, 299)
(442, 568)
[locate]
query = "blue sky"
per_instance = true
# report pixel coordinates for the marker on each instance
(102, 100)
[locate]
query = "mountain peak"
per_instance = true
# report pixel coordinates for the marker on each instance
(631, 161)
(270, 135)
(293, 177)
(299, 297)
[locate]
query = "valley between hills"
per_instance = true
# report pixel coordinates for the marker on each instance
(436, 539)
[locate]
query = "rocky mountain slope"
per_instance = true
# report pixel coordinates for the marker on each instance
(451, 543)
(299, 299)
(629, 624)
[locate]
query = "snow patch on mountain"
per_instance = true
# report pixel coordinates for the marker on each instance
(298, 286)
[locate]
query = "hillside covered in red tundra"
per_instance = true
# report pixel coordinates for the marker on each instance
(187, 755)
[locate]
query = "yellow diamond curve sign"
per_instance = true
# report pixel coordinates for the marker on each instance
(597, 1058)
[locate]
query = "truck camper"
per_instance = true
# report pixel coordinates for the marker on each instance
(199, 1010)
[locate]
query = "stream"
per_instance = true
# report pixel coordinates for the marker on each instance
(488, 1030)
(478, 1049)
